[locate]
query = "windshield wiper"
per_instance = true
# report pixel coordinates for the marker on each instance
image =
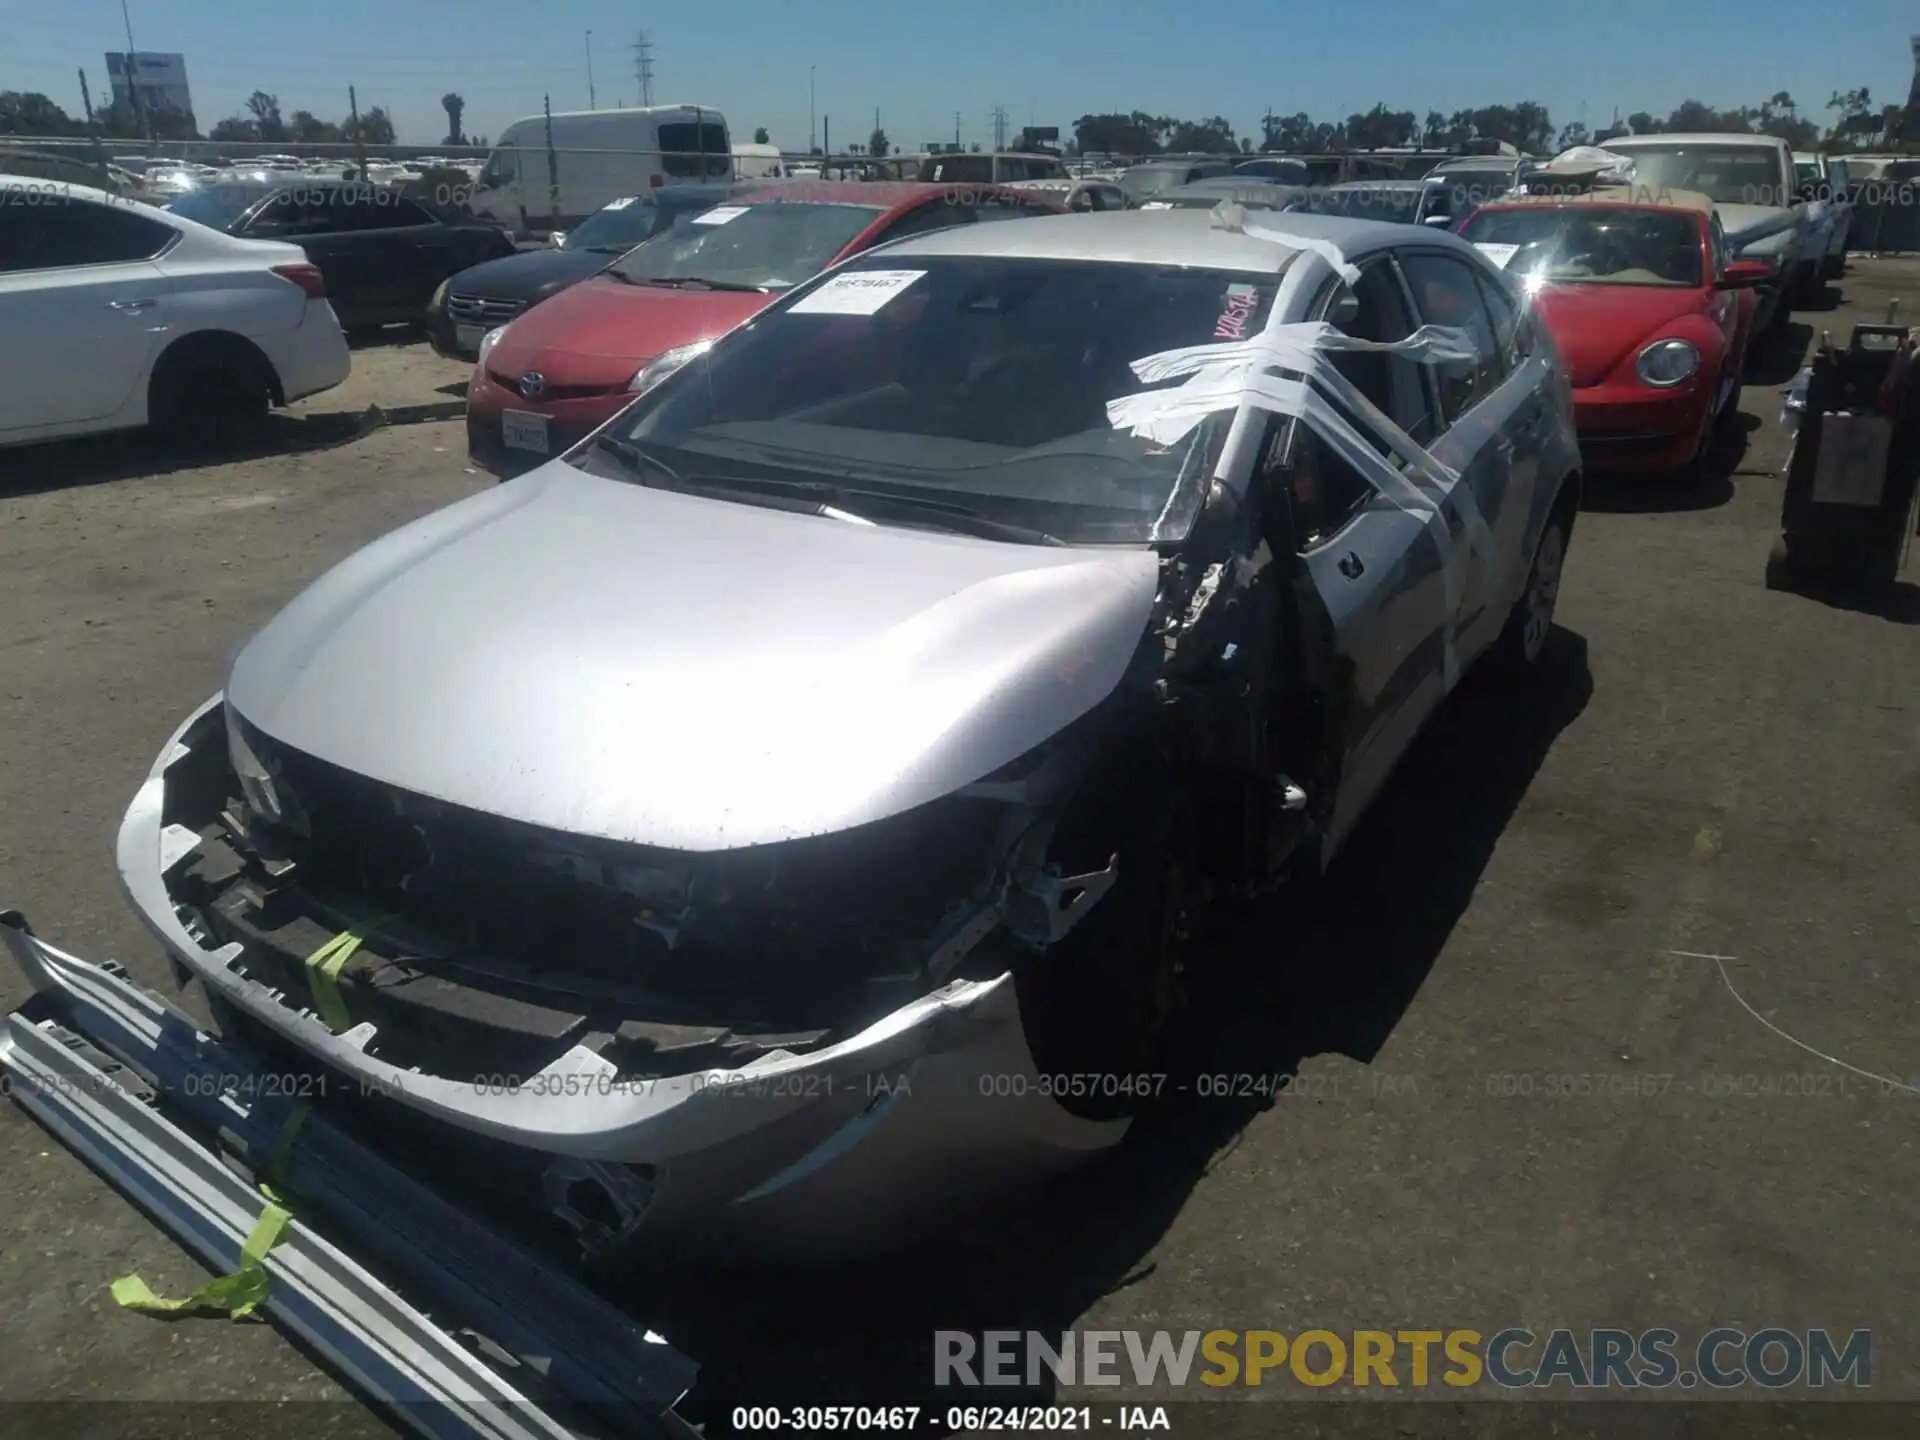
(636, 458)
(861, 504)
(706, 284)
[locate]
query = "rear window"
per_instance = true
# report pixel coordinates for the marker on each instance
(965, 169)
(696, 152)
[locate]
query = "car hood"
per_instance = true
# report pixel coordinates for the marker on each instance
(600, 331)
(1746, 223)
(523, 277)
(664, 669)
(1598, 326)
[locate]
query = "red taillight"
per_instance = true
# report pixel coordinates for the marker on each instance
(307, 277)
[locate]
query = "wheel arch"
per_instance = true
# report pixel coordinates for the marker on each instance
(212, 347)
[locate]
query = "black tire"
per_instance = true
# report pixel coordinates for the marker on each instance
(1779, 572)
(1104, 1002)
(1519, 647)
(211, 394)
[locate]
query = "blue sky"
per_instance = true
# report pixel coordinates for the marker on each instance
(1046, 61)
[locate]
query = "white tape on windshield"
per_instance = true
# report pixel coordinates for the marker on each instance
(720, 214)
(1238, 375)
(1498, 254)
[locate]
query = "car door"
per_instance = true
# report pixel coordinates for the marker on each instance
(1496, 419)
(1371, 568)
(83, 310)
(376, 252)
(423, 250)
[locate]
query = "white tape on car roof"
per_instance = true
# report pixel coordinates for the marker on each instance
(1240, 375)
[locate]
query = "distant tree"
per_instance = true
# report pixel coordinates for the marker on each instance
(119, 121)
(1381, 128)
(876, 142)
(480, 142)
(455, 107)
(1286, 132)
(975, 147)
(1641, 123)
(1433, 130)
(1573, 133)
(760, 136)
(1246, 145)
(31, 113)
(265, 110)
(310, 129)
(235, 129)
(375, 128)
(1115, 134)
(171, 124)
(1213, 136)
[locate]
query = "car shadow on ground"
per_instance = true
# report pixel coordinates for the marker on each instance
(457, 389)
(1827, 298)
(137, 454)
(1326, 970)
(1776, 357)
(1898, 606)
(1627, 493)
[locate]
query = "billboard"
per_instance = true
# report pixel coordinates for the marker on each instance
(161, 80)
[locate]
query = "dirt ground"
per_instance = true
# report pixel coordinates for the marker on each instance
(1707, 767)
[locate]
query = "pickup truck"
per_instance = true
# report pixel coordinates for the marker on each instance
(1751, 181)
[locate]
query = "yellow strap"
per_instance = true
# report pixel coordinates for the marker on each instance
(237, 1295)
(275, 1186)
(323, 972)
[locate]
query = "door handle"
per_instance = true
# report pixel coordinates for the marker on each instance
(1352, 566)
(133, 304)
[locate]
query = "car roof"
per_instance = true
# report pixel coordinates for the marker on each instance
(1186, 238)
(888, 195)
(1703, 137)
(68, 190)
(1375, 186)
(1636, 197)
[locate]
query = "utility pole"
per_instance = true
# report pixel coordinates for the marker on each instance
(133, 89)
(956, 130)
(553, 165)
(999, 127)
(359, 138)
(813, 122)
(85, 98)
(643, 67)
(593, 102)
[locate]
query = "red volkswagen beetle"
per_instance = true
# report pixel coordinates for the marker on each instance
(564, 368)
(1650, 313)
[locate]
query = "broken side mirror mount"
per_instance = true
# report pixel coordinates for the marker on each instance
(1345, 309)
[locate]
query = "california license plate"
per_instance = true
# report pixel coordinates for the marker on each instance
(467, 337)
(523, 430)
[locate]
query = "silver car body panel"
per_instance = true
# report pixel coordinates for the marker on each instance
(731, 675)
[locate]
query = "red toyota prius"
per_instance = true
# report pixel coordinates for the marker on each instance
(564, 368)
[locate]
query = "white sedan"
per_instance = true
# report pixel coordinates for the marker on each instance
(134, 316)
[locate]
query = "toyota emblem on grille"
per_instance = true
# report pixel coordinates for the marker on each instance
(532, 383)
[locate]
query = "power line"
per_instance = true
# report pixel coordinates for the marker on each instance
(643, 67)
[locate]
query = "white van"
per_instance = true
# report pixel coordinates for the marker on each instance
(550, 175)
(758, 162)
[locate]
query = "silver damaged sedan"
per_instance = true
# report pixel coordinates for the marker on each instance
(775, 825)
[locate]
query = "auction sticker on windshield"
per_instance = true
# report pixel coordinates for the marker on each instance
(720, 214)
(1498, 254)
(620, 204)
(862, 292)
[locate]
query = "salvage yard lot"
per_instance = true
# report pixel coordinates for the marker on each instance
(1706, 767)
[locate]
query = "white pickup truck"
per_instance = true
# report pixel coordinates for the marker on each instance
(1751, 181)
